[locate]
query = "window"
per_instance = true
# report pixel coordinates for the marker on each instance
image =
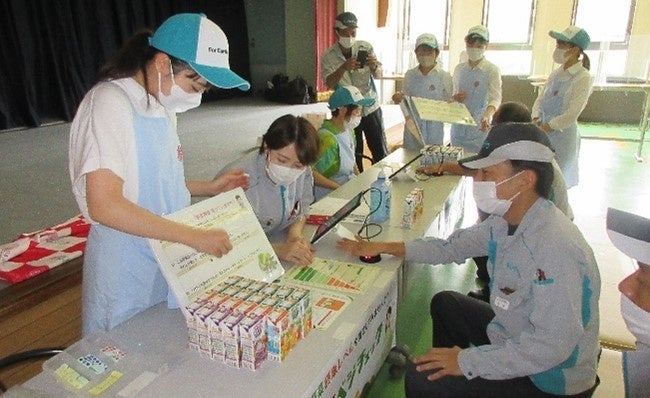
(609, 28)
(424, 16)
(510, 23)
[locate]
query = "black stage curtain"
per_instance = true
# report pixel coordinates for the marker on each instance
(51, 50)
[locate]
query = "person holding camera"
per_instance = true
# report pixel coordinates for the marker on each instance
(351, 62)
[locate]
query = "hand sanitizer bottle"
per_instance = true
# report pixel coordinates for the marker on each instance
(380, 199)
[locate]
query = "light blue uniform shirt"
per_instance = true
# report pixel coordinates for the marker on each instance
(434, 85)
(544, 290)
(276, 206)
(483, 87)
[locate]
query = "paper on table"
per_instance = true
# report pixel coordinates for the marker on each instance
(334, 275)
(190, 273)
(442, 111)
(326, 307)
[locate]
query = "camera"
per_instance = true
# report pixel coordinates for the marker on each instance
(362, 57)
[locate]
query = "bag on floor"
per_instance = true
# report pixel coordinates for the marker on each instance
(295, 91)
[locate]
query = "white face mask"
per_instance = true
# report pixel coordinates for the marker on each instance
(353, 123)
(637, 321)
(178, 100)
(426, 61)
(282, 175)
(485, 195)
(346, 42)
(559, 56)
(475, 54)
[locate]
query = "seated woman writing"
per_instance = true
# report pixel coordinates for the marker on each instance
(282, 184)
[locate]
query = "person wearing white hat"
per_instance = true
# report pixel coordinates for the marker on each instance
(477, 84)
(563, 97)
(538, 336)
(630, 233)
(352, 62)
(427, 80)
(336, 159)
(126, 163)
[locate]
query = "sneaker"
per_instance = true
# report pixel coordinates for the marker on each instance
(398, 357)
(482, 294)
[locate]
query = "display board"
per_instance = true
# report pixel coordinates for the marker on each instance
(190, 273)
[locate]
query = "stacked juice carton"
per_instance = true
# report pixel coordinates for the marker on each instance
(242, 321)
(436, 154)
(413, 206)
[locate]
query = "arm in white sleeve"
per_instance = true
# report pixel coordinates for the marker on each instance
(448, 86)
(494, 87)
(574, 102)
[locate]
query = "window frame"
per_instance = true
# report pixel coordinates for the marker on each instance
(613, 45)
(528, 45)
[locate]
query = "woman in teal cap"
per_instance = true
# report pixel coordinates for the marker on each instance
(426, 80)
(336, 160)
(126, 164)
(563, 98)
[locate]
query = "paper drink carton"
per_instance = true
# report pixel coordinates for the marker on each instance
(277, 330)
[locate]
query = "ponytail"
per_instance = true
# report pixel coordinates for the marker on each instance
(131, 58)
(586, 63)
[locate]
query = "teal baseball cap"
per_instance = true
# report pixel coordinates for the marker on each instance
(195, 39)
(574, 35)
(348, 95)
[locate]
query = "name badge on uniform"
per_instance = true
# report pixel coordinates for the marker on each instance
(502, 303)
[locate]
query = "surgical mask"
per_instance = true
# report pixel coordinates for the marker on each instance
(637, 321)
(346, 42)
(485, 195)
(559, 56)
(178, 100)
(475, 54)
(282, 175)
(353, 123)
(426, 61)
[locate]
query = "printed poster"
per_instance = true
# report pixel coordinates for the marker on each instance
(441, 111)
(190, 273)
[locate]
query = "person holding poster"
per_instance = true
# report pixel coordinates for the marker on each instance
(282, 185)
(126, 164)
(427, 80)
(477, 84)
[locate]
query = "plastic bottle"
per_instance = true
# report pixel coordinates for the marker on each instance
(380, 199)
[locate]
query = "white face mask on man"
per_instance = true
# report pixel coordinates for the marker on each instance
(475, 54)
(282, 175)
(637, 321)
(345, 42)
(485, 195)
(178, 100)
(427, 61)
